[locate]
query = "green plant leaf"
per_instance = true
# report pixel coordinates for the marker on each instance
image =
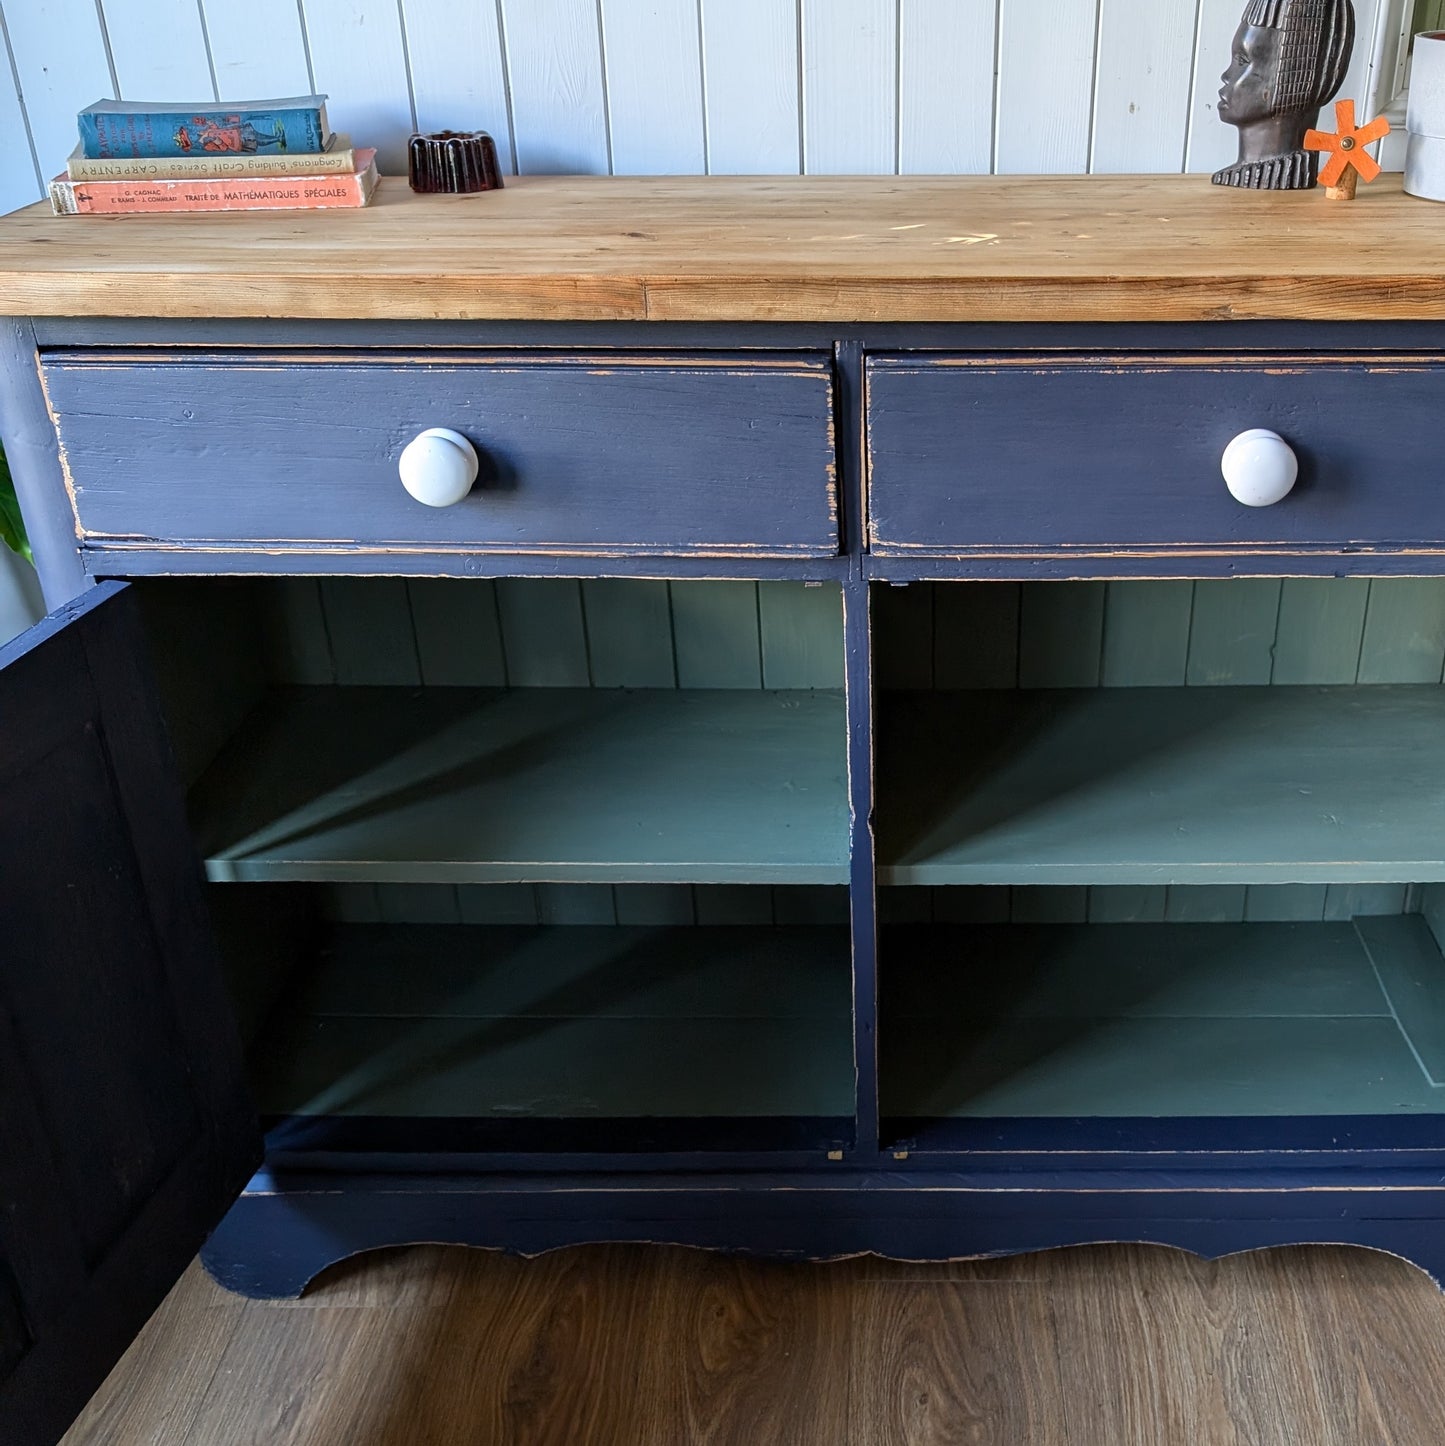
(12, 525)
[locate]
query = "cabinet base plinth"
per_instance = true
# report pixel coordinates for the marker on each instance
(286, 1229)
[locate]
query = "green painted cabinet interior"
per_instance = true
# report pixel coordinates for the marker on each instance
(548, 850)
(527, 850)
(1155, 736)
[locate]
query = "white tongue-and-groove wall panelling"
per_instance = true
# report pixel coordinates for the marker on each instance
(665, 86)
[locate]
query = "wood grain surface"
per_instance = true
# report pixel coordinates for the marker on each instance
(919, 248)
(616, 1346)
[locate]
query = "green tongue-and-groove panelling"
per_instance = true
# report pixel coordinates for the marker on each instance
(564, 633)
(1140, 634)
(637, 633)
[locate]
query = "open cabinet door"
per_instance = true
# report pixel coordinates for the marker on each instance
(125, 1126)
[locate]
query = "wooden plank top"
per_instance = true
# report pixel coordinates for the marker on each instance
(824, 249)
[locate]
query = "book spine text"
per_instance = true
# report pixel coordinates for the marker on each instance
(207, 132)
(199, 168)
(114, 198)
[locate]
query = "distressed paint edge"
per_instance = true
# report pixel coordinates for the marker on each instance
(1332, 296)
(37, 466)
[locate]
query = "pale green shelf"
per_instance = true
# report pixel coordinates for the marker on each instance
(516, 1023)
(1137, 786)
(1154, 1020)
(566, 785)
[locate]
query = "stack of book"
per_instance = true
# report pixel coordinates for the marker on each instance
(256, 155)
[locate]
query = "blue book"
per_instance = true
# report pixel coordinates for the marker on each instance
(125, 128)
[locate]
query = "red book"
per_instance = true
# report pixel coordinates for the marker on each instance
(234, 193)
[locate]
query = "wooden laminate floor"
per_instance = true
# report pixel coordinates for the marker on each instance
(613, 1346)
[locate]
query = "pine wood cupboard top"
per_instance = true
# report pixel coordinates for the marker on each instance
(823, 249)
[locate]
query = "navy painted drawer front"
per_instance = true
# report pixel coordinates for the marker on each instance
(584, 454)
(1097, 454)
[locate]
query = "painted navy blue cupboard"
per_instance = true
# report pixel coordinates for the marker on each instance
(822, 791)
(126, 1125)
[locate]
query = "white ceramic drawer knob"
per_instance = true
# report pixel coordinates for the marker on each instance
(1260, 468)
(438, 467)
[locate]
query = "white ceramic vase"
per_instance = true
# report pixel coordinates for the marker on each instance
(1425, 118)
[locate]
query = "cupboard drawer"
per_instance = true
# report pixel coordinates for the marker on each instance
(592, 454)
(1112, 453)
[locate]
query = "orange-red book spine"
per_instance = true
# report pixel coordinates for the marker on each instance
(251, 193)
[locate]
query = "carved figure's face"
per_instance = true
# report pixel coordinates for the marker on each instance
(1250, 83)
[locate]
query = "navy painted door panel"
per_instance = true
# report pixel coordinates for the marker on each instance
(1118, 453)
(580, 455)
(125, 1128)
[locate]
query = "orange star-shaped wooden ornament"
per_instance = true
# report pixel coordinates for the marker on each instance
(1351, 161)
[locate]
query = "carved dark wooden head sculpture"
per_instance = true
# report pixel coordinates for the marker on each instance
(1289, 58)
